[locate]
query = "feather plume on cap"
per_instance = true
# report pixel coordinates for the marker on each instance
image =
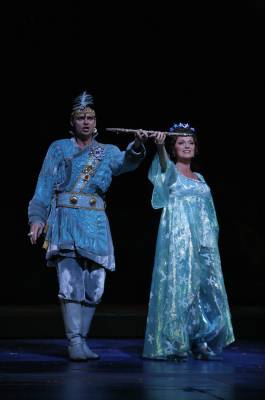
(82, 101)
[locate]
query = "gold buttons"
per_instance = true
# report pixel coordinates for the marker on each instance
(73, 199)
(92, 201)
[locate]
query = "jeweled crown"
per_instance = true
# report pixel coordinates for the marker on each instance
(183, 129)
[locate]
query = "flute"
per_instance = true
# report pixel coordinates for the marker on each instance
(149, 133)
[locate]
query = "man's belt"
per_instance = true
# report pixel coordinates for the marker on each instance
(87, 201)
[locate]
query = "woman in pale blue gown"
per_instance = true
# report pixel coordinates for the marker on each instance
(188, 310)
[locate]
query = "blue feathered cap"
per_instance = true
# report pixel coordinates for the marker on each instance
(83, 101)
(182, 129)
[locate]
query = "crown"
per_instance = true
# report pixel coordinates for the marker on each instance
(183, 129)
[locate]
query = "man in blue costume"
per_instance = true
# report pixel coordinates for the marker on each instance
(69, 203)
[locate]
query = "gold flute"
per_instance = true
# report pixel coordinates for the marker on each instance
(149, 133)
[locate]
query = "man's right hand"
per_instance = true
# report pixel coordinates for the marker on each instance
(36, 230)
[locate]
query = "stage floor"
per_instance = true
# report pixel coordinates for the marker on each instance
(39, 369)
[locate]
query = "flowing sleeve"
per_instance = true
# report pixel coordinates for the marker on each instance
(161, 181)
(214, 216)
(125, 161)
(39, 205)
(212, 210)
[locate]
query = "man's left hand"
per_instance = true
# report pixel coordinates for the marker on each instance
(141, 136)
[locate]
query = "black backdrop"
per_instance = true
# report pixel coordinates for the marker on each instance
(146, 67)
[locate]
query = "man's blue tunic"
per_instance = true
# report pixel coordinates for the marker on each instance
(69, 198)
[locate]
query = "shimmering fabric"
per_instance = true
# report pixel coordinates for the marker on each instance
(78, 232)
(188, 301)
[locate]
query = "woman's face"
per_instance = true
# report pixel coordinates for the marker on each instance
(185, 147)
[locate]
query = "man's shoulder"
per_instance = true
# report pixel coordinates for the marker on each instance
(108, 146)
(58, 148)
(60, 143)
(63, 142)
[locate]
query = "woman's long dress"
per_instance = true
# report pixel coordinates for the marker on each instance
(188, 302)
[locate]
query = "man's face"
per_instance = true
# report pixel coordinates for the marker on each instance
(84, 124)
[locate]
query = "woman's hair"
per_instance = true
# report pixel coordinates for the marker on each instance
(181, 130)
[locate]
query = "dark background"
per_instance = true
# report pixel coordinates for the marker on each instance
(147, 66)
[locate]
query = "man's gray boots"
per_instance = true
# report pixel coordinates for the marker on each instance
(72, 316)
(87, 316)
